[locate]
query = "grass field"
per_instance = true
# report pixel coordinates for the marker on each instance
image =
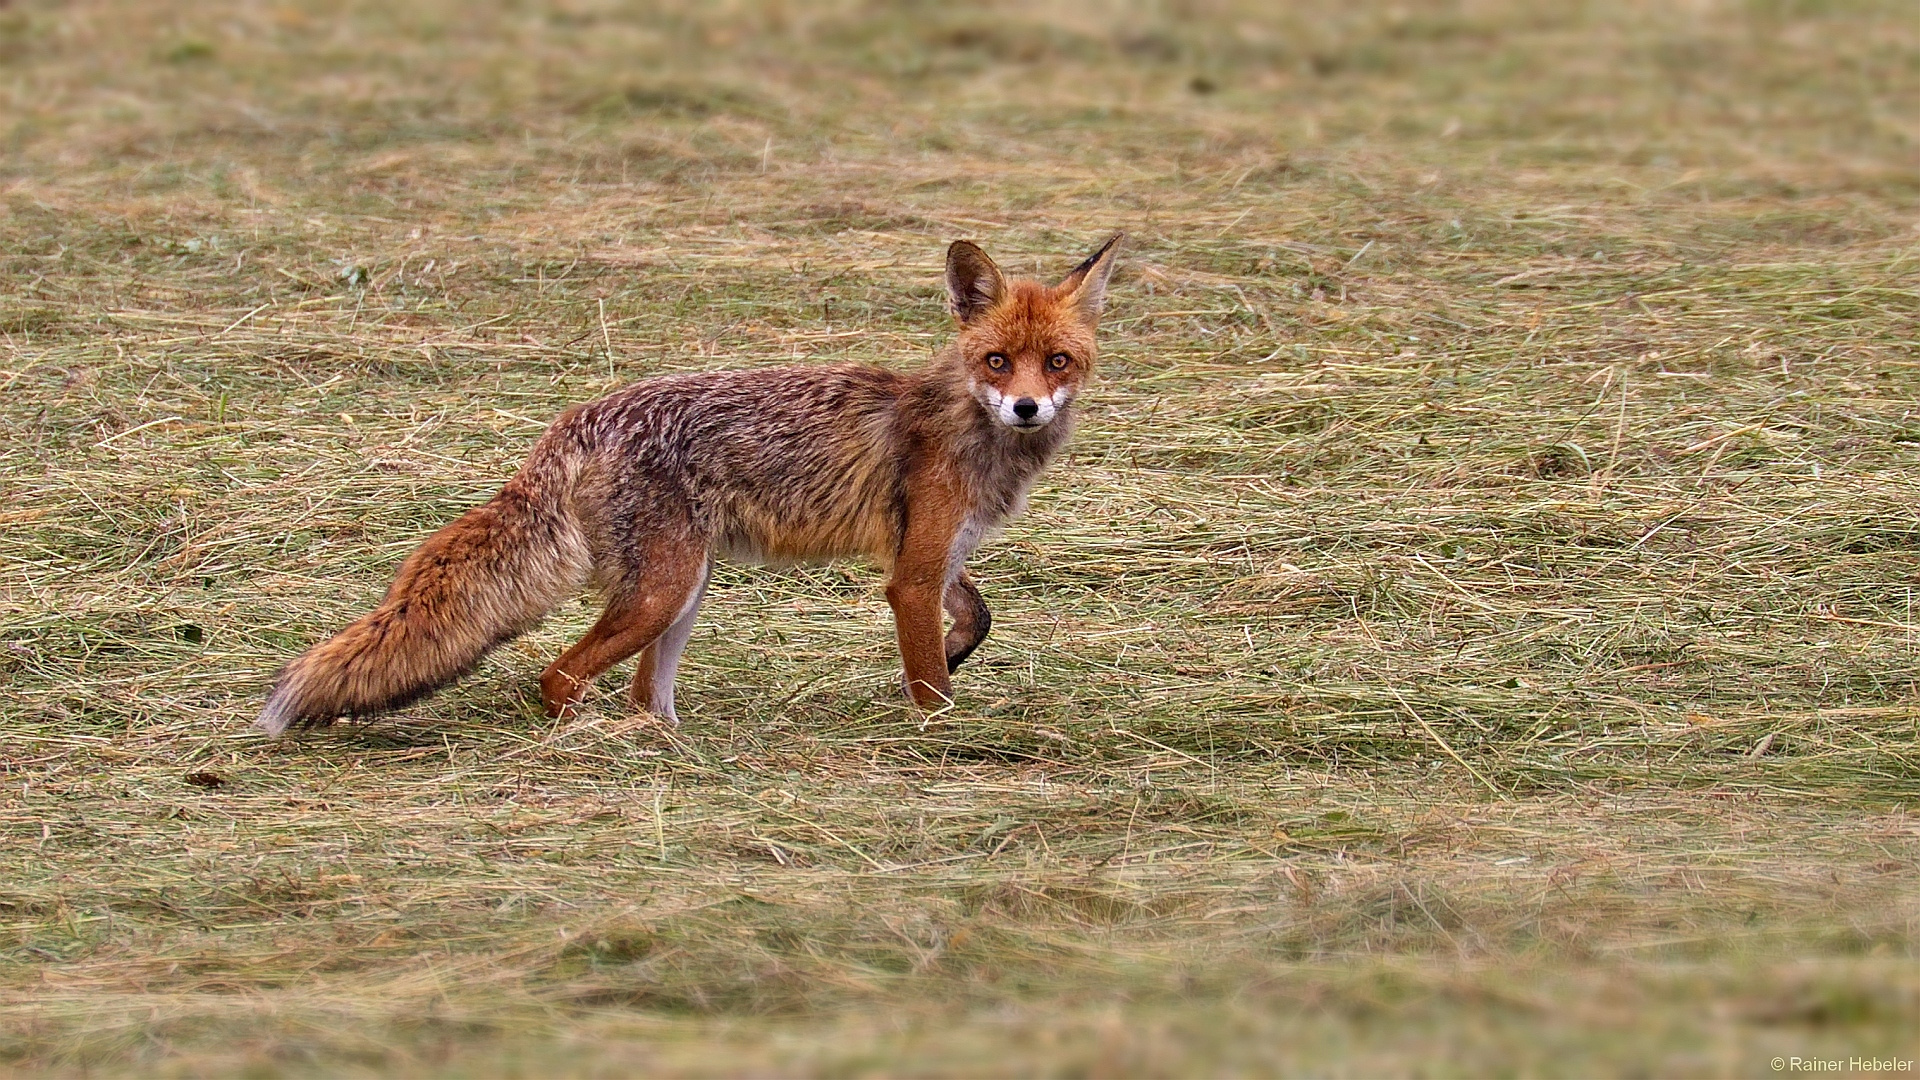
(1473, 632)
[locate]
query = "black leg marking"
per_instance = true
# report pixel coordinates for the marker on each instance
(972, 621)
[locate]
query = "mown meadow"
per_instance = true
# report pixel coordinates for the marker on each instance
(1473, 632)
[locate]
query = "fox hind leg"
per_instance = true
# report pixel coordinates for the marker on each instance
(971, 620)
(653, 676)
(636, 616)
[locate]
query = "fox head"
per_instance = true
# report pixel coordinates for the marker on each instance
(1026, 349)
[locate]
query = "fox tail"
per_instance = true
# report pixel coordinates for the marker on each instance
(487, 578)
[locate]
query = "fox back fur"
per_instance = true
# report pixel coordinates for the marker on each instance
(637, 492)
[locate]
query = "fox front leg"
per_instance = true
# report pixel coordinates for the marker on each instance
(971, 620)
(935, 508)
(916, 617)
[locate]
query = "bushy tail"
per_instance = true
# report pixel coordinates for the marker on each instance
(481, 581)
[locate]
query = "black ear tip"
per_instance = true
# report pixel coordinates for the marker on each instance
(1088, 264)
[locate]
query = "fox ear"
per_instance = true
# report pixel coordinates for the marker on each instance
(974, 284)
(1087, 285)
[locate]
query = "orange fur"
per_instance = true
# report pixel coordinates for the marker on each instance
(639, 491)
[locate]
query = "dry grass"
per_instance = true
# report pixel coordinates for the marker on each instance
(1474, 632)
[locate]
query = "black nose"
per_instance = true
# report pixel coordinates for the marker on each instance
(1026, 408)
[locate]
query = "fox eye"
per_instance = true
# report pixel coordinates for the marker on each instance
(997, 361)
(1059, 361)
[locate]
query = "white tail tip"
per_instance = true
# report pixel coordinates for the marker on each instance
(275, 718)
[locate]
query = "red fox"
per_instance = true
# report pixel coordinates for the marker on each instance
(637, 492)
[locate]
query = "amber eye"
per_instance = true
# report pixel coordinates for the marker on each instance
(997, 361)
(1059, 361)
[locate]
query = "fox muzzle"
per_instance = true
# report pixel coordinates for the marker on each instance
(1022, 413)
